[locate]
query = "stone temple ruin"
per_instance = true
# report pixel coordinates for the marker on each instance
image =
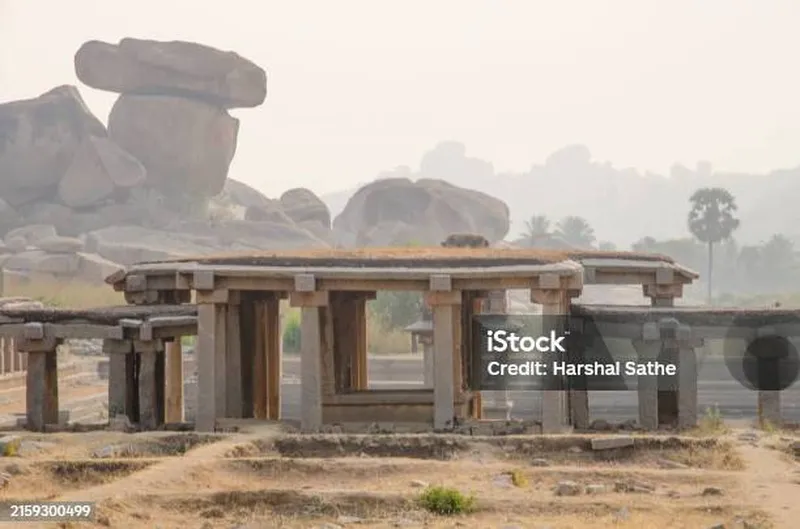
(235, 316)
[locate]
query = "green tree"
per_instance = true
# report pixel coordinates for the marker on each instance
(711, 220)
(576, 231)
(537, 230)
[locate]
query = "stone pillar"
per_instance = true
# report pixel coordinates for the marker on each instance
(687, 377)
(274, 355)
(41, 391)
(253, 363)
(769, 408)
(361, 350)
(496, 404)
(554, 301)
(349, 318)
(427, 359)
(151, 383)
(9, 355)
(769, 402)
(662, 293)
(578, 389)
(315, 350)
(234, 401)
(210, 356)
(123, 397)
(446, 304)
(648, 347)
(174, 368)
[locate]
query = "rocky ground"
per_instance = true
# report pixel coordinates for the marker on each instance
(268, 477)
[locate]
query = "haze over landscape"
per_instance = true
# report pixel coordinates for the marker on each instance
(357, 88)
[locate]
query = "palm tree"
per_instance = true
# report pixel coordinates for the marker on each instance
(576, 231)
(537, 228)
(711, 220)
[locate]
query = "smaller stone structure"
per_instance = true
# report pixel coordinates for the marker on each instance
(134, 337)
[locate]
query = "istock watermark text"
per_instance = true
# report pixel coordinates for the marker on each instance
(502, 341)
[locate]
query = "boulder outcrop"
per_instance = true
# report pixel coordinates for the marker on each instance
(398, 211)
(39, 138)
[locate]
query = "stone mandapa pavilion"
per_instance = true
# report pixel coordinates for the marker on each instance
(238, 323)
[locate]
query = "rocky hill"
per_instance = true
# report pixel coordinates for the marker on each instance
(571, 182)
(79, 198)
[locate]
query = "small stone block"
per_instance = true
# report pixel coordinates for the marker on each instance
(610, 443)
(550, 281)
(33, 331)
(441, 283)
(135, 283)
(305, 283)
(203, 280)
(650, 332)
(665, 276)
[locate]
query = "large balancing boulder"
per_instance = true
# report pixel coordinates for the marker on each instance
(185, 69)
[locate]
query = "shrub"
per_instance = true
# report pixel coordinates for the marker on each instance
(446, 501)
(291, 332)
(518, 478)
(395, 310)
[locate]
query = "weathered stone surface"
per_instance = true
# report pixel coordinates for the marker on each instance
(302, 205)
(94, 268)
(567, 488)
(178, 68)
(32, 233)
(248, 197)
(98, 168)
(268, 213)
(38, 140)
(58, 264)
(25, 261)
(610, 443)
(58, 244)
(397, 211)
(9, 218)
(54, 214)
(186, 146)
(16, 244)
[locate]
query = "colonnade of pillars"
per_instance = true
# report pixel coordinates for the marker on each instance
(11, 360)
(238, 355)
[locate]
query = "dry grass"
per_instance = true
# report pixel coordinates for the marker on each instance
(528, 255)
(71, 294)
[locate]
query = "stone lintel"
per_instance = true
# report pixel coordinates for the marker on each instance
(203, 279)
(547, 296)
(319, 298)
(441, 283)
(114, 347)
(305, 283)
(440, 298)
(654, 290)
(37, 346)
(665, 276)
(135, 283)
(152, 346)
(222, 295)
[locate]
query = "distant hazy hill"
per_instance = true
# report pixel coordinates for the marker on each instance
(623, 205)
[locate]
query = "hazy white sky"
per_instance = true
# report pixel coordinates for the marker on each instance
(360, 86)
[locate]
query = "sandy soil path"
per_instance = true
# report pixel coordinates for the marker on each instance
(773, 483)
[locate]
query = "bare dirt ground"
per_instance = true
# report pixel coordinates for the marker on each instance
(271, 478)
